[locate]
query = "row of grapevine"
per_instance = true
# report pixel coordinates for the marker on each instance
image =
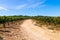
(7, 19)
(4, 19)
(46, 19)
(40, 19)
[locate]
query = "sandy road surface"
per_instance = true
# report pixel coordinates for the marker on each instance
(28, 31)
(33, 32)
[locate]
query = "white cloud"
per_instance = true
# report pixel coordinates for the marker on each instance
(32, 1)
(34, 5)
(42, 6)
(28, 5)
(21, 6)
(2, 8)
(37, 4)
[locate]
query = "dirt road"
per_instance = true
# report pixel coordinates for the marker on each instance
(28, 31)
(33, 32)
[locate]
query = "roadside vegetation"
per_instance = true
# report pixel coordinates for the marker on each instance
(54, 22)
(7, 19)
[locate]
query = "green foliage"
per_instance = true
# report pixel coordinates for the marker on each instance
(48, 20)
(43, 19)
(40, 19)
(4, 19)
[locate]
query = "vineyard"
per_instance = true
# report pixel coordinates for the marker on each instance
(48, 20)
(4, 19)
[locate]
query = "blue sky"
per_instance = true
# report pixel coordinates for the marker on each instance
(30, 7)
